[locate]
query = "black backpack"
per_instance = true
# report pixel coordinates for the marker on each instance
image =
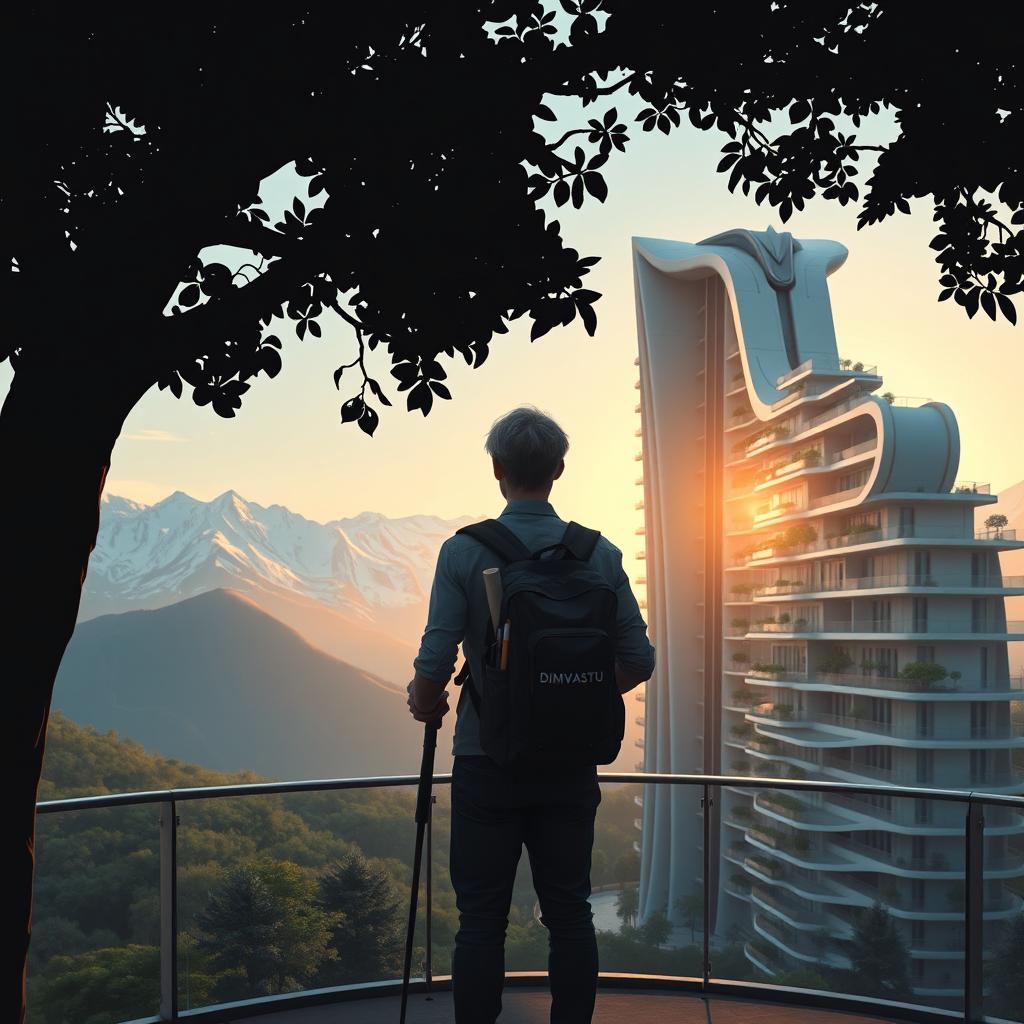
(557, 702)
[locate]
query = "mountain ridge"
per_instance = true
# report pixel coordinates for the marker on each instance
(357, 587)
(216, 680)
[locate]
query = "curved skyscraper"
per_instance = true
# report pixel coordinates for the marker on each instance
(823, 606)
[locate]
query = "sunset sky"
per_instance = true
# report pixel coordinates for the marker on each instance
(287, 446)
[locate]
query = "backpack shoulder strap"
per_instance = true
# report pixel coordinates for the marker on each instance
(580, 541)
(499, 538)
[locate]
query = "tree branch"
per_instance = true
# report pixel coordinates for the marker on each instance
(248, 234)
(188, 335)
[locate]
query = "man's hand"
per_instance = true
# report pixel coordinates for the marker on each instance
(435, 700)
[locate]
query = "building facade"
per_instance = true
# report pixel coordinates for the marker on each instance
(823, 606)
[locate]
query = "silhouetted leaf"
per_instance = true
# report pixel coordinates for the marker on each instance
(368, 421)
(421, 397)
(376, 389)
(352, 409)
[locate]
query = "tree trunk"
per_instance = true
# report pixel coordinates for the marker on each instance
(57, 430)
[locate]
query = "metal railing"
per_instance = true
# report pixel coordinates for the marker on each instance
(896, 624)
(896, 683)
(706, 787)
(970, 581)
(872, 535)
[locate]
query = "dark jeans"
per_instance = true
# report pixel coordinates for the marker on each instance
(495, 811)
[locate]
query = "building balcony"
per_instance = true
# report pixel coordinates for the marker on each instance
(801, 728)
(908, 582)
(896, 628)
(770, 552)
(895, 687)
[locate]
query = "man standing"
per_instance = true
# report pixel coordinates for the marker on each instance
(495, 809)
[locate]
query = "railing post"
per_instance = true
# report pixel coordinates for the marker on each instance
(168, 911)
(706, 819)
(974, 897)
(428, 962)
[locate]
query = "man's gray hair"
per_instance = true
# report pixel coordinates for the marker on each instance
(529, 444)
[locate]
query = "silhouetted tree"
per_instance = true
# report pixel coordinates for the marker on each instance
(264, 922)
(369, 934)
(692, 909)
(627, 903)
(627, 868)
(140, 248)
(656, 929)
(880, 962)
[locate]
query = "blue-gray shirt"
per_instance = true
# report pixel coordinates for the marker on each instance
(458, 607)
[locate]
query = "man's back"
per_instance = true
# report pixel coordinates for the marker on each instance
(458, 608)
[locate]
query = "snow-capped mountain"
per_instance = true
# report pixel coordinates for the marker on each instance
(355, 587)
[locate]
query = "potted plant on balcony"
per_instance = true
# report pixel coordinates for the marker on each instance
(928, 674)
(740, 657)
(996, 523)
(798, 534)
(834, 662)
(799, 625)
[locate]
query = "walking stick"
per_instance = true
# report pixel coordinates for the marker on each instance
(422, 813)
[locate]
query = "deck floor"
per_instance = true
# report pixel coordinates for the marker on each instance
(531, 1006)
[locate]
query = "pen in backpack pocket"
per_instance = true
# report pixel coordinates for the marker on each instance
(504, 644)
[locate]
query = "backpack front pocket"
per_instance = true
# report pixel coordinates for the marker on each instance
(572, 683)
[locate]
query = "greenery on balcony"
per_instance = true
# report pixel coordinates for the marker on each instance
(740, 880)
(929, 674)
(834, 662)
(742, 624)
(782, 803)
(852, 530)
(767, 866)
(740, 657)
(744, 697)
(767, 668)
(742, 732)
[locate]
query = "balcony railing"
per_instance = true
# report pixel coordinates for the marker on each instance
(170, 804)
(890, 683)
(893, 625)
(768, 549)
(967, 581)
